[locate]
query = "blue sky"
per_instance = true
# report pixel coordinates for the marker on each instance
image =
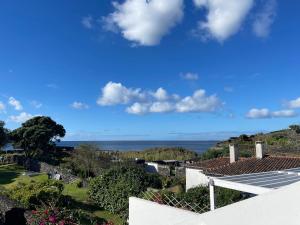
(147, 70)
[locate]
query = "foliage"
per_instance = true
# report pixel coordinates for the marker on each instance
(112, 189)
(3, 135)
(37, 134)
(37, 193)
(295, 128)
(87, 161)
(197, 195)
(215, 153)
(227, 196)
(156, 154)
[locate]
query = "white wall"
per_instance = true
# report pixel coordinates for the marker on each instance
(279, 207)
(143, 212)
(194, 178)
(151, 167)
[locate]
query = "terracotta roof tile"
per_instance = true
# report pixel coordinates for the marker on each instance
(222, 166)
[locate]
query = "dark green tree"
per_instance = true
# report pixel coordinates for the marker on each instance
(295, 128)
(36, 135)
(3, 135)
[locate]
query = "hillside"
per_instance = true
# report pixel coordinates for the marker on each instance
(281, 142)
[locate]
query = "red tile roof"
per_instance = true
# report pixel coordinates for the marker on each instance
(222, 166)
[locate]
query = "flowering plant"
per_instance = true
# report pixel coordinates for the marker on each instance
(50, 215)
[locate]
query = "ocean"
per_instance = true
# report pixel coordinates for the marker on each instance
(197, 146)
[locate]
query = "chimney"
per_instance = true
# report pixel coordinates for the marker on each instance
(234, 153)
(260, 149)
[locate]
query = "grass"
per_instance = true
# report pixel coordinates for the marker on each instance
(10, 175)
(80, 195)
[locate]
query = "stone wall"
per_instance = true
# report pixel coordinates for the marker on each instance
(164, 170)
(180, 171)
(42, 167)
(65, 174)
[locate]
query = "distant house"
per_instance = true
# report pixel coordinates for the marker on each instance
(197, 173)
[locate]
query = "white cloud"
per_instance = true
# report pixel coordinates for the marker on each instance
(116, 93)
(2, 107)
(266, 113)
(199, 102)
(189, 76)
(159, 101)
(15, 103)
(161, 94)
(258, 113)
(21, 118)
(224, 18)
(138, 108)
(284, 113)
(87, 22)
(294, 104)
(36, 104)
(161, 107)
(145, 22)
(265, 18)
(79, 105)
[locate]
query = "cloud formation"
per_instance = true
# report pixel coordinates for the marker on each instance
(189, 76)
(116, 93)
(36, 104)
(87, 22)
(294, 104)
(264, 19)
(160, 101)
(2, 107)
(79, 105)
(145, 22)
(15, 103)
(266, 113)
(21, 118)
(224, 18)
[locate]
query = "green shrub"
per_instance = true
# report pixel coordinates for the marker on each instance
(113, 188)
(197, 195)
(35, 193)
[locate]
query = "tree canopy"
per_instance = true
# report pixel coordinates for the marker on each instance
(37, 134)
(3, 134)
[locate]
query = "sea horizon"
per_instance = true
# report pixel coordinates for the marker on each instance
(140, 145)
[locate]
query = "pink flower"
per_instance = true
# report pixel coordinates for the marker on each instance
(52, 219)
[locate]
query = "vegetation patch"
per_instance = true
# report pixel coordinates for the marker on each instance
(156, 154)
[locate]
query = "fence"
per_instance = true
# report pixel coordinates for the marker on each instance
(169, 199)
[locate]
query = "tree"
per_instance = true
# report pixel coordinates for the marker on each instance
(295, 128)
(37, 134)
(3, 135)
(87, 160)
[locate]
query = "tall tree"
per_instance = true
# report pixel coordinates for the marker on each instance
(3, 135)
(37, 135)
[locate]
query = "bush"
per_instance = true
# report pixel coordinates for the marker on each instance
(113, 188)
(37, 193)
(197, 195)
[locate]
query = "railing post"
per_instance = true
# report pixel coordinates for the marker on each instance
(212, 194)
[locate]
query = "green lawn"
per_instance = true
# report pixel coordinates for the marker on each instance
(81, 196)
(10, 175)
